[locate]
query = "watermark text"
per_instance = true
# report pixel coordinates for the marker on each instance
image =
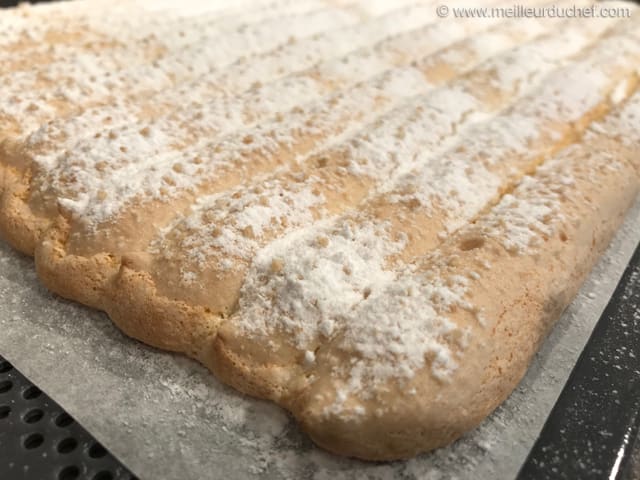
(524, 11)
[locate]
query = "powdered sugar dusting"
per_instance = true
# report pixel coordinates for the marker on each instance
(88, 78)
(194, 105)
(391, 143)
(318, 285)
(469, 177)
(196, 129)
(396, 346)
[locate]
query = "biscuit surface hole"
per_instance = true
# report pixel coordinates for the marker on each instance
(471, 243)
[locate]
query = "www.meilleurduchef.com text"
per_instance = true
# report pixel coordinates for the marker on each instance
(524, 11)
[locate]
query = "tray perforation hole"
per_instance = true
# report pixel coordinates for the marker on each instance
(63, 420)
(5, 386)
(70, 472)
(103, 475)
(67, 445)
(33, 441)
(5, 366)
(97, 451)
(31, 392)
(44, 432)
(32, 416)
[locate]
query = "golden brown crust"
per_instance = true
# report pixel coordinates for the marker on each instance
(18, 225)
(159, 321)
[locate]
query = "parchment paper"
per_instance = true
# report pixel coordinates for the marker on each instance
(166, 417)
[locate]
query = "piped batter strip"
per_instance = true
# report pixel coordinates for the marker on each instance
(82, 251)
(519, 140)
(21, 223)
(547, 120)
(211, 248)
(36, 97)
(208, 106)
(245, 152)
(171, 277)
(60, 28)
(410, 363)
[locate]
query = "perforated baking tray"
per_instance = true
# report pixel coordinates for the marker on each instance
(39, 440)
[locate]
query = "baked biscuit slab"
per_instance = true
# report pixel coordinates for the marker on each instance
(378, 242)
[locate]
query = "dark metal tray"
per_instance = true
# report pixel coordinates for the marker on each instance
(592, 429)
(39, 440)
